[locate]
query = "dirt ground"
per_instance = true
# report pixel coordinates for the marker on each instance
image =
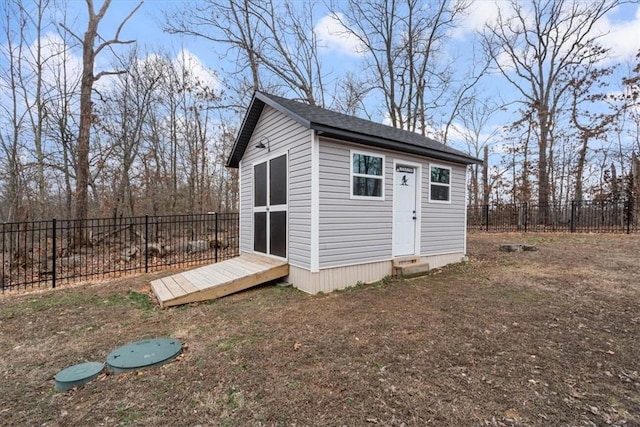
(550, 337)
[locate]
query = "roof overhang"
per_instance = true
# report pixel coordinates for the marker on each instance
(256, 107)
(389, 144)
(249, 123)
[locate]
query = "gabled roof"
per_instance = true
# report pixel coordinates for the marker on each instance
(344, 127)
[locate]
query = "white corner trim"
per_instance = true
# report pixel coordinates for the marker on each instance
(314, 263)
(418, 208)
(240, 205)
(466, 210)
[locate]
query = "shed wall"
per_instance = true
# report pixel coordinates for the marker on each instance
(443, 224)
(350, 231)
(361, 231)
(285, 135)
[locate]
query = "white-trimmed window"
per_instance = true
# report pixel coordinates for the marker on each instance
(367, 175)
(440, 184)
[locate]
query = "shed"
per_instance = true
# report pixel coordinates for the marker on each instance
(343, 199)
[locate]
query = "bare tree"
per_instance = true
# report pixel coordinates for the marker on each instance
(464, 98)
(12, 113)
(124, 116)
(61, 124)
(402, 40)
(232, 24)
(89, 53)
(274, 42)
(534, 46)
(33, 87)
(590, 113)
(478, 137)
(350, 94)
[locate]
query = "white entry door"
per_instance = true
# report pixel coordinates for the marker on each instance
(404, 211)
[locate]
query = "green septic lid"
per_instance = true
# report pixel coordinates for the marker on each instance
(77, 375)
(143, 354)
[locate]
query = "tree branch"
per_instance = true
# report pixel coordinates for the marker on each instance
(70, 32)
(116, 38)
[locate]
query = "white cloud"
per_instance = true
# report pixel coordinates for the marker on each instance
(192, 63)
(620, 27)
(334, 36)
(59, 60)
(477, 16)
(622, 35)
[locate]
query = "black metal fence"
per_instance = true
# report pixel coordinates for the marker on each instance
(43, 254)
(573, 217)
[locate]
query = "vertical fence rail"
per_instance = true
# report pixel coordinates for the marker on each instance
(3, 254)
(216, 236)
(54, 251)
(146, 243)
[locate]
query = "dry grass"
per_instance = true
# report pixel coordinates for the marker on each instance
(534, 338)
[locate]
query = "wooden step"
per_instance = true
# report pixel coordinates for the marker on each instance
(413, 270)
(409, 267)
(405, 260)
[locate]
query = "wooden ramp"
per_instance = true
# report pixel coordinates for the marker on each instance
(218, 280)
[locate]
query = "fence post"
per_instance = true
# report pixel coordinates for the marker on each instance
(215, 227)
(627, 215)
(486, 217)
(146, 243)
(55, 250)
(526, 215)
(629, 212)
(2, 284)
(573, 216)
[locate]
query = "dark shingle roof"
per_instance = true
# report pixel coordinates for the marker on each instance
(341, 126)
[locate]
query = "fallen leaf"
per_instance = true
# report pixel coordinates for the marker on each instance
(297, 346)
(576, 394)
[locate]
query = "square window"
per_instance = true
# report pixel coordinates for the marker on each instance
(440, 184)
(367, 175)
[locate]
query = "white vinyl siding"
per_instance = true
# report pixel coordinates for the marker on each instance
(443, 224)
(351, 231)
(285, 136)
(358, 231)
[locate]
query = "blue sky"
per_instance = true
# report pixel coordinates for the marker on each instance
(622, 27)
(340, 53)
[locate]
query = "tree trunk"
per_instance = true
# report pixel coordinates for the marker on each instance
(86, 114)
(543, 177)
(582, 156)
(485, 177)
(635, 170)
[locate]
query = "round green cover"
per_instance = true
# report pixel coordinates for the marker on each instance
(143, 354)
(77, 375)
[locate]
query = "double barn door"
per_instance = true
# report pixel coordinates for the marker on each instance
(270, 207)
